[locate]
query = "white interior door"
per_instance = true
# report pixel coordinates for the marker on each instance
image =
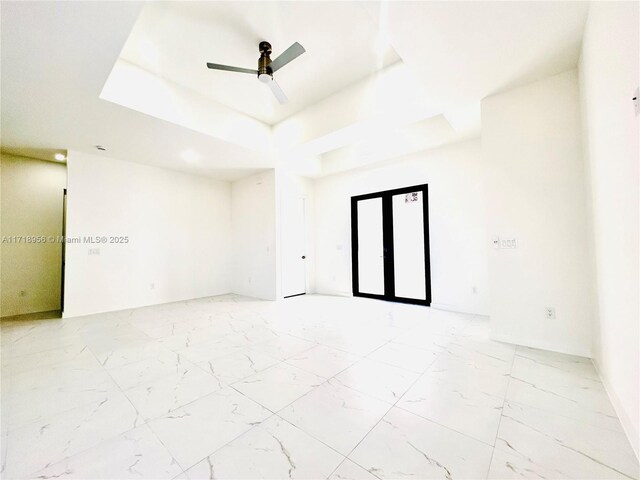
(292, 246)
(370, 247)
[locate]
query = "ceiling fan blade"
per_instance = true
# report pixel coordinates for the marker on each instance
(291, 53)
(217, 66)
(277, 91)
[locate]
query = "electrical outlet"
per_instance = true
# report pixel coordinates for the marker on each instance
(550, 313)
(474, 289)
(153, 286)
(495, 242)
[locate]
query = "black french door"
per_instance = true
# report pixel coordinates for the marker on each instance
(390, 245)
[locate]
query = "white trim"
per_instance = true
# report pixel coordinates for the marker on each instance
(628, 427)
(334, 293)
(454, 309)
(541, 345)
(146, 305)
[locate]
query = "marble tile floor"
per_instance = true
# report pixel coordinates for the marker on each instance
(312, 387)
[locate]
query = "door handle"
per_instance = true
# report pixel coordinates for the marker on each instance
(303, 257)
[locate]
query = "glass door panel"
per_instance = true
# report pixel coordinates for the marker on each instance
(408, 245)
(370, 246)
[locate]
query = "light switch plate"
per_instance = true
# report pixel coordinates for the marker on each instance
(509, 243)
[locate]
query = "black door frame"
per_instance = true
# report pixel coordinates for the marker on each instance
(387, 240)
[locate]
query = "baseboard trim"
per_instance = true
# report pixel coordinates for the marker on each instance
(540, 345)
(334, 293)
(454, 309)
(629, 429)
(40, 315)
(120, 308)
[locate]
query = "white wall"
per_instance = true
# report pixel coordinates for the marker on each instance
(179, 230)
(32, 199)
(456, 222)
(608, 77)
(290, 185)
(253, 213)
(535, 192)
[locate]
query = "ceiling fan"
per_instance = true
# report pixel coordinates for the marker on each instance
(266, 67)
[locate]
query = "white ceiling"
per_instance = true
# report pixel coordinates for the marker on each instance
(174, 40)
(57, 57)
(465, 51)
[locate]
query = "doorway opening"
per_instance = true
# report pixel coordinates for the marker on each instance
(390, 245)
(32, 211)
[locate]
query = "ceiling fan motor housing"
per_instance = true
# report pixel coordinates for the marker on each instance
(264, 60)
(266, 67)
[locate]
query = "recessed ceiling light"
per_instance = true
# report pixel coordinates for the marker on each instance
(60, 157)
(190, 156)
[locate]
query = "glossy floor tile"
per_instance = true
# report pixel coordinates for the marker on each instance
(404, 445)
(273, 449)
(312, 387)
(278, 386)
(201, 427)
(135, 454)
(336, 415)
